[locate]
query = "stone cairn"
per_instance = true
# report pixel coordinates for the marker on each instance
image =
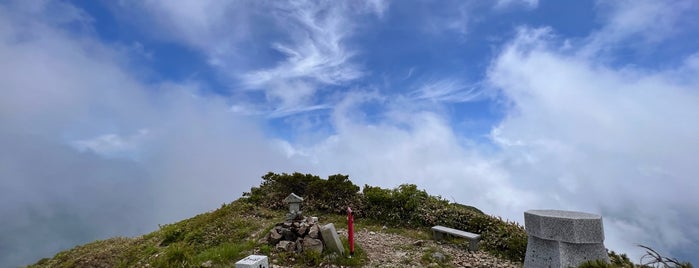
(297, 233)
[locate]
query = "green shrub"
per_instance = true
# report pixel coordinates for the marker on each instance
(332, 195)
(620, 260)
(276, 187)
(171, 234)
(402, 206)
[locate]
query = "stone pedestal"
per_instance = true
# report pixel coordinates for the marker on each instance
(563, 238)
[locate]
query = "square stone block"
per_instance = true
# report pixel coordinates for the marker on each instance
(253, 261)
(564, 226)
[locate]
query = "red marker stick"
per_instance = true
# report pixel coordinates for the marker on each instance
(350, 230)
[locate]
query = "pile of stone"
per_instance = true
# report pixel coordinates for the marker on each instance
(296, 235)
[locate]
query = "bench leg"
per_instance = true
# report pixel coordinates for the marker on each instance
(473, 244)
(437, 235)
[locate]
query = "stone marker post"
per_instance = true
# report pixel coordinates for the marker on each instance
(564, 239)
(331, 239)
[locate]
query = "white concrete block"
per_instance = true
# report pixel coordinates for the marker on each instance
(253, 261)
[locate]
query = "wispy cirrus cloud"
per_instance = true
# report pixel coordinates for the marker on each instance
(510, 3)
(448, 90)
(637, 25)
(316, 55)
(311, 41)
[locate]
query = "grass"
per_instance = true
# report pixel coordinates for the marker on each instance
(358, 259)
(222, 236)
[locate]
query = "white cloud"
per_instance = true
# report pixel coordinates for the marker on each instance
(448, 90)
(61, 86)
(312, 44)
(619, 142)
(315, 57)
(509, 3)
(454, 18)
(114, 145)
(215, 27)
(638, 24)
(412, 146)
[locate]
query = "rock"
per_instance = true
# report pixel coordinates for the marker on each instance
(312, 244)
(431, 265)
(286, 246)
(313, 231)
(299, 245)
(418, 243)
(264, 240)
(301, 231)
(288, 234)
(372, 233)
(296, 224)
(206, 264)
(438, 256)
(287, 224)
(400, 254)
(274, 237)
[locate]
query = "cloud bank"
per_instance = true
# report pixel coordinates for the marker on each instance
(89, 152)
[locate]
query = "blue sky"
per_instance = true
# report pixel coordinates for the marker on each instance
(121, 115)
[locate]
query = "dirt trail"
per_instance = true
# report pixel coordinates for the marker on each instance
(393, 250)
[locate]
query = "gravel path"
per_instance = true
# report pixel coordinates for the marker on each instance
(392, 250)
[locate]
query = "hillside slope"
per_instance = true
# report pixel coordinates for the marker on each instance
(399, 217)
(228, 234)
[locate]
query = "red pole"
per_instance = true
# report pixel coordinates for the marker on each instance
(350, 230)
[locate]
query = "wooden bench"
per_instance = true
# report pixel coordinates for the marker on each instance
(473, 239)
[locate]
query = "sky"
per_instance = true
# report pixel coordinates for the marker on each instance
(117, 116)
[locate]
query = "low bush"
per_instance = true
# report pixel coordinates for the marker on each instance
(410, 207)
(333, 195)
